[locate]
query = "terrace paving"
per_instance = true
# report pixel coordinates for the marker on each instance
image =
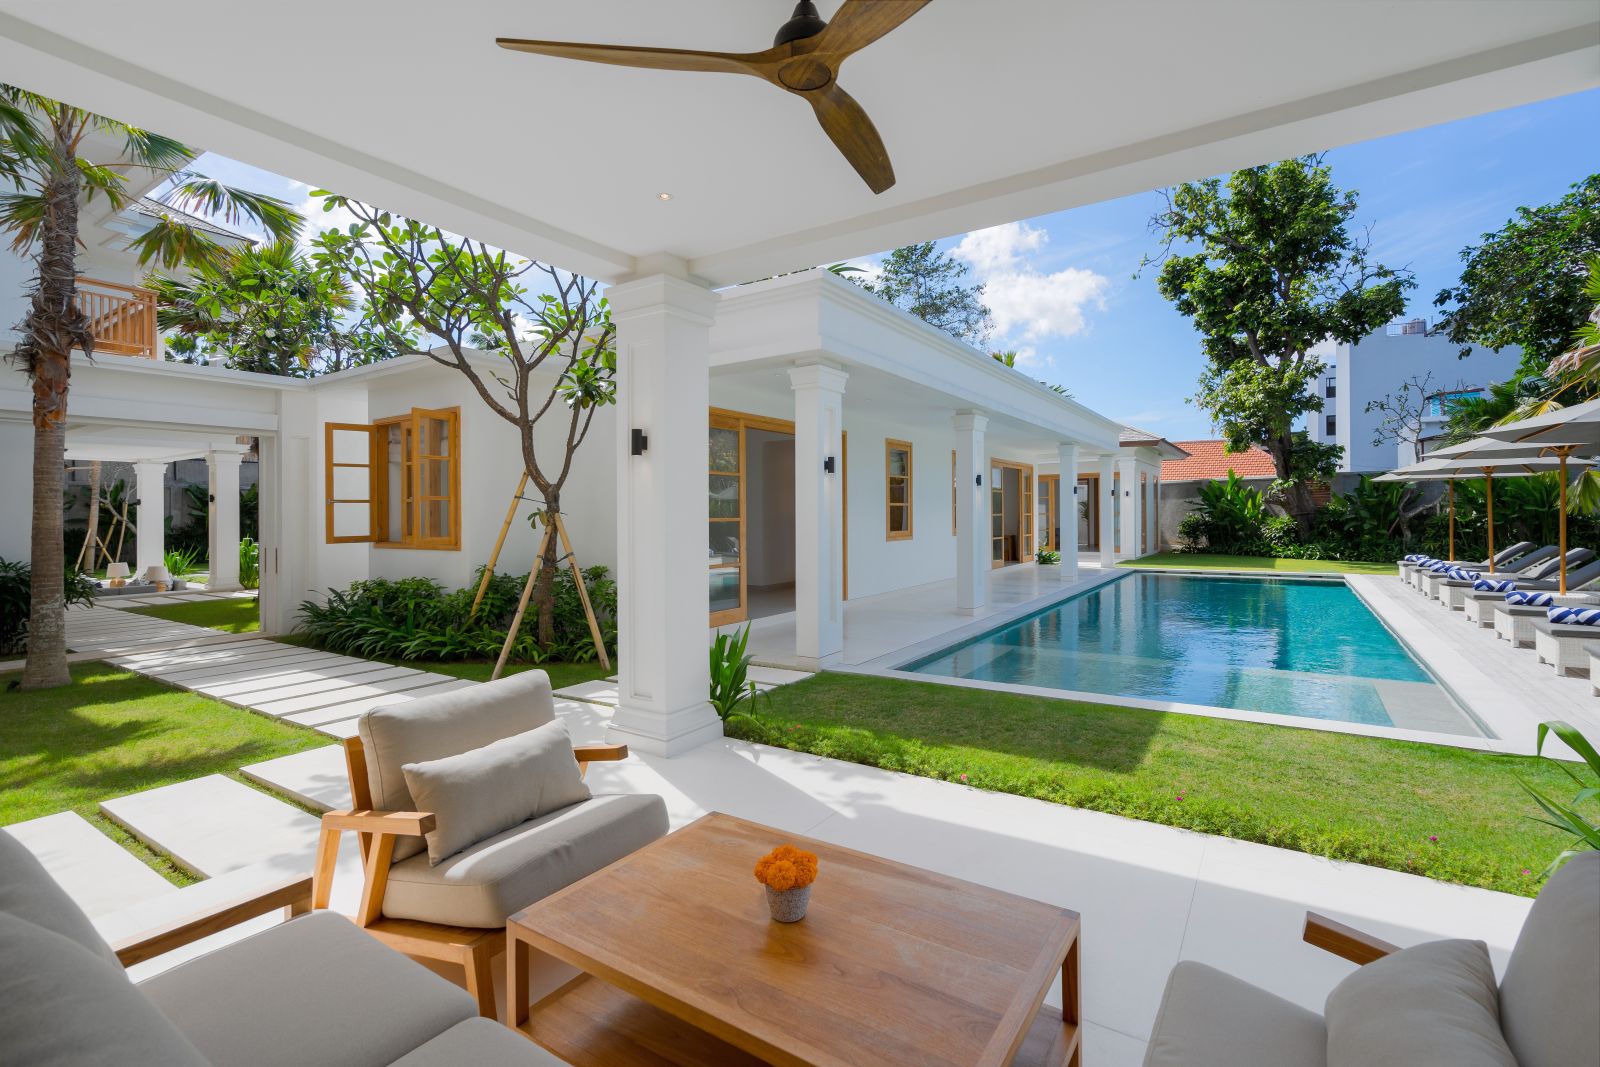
(98, 873)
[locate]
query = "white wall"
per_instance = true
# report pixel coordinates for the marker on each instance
(16, 487)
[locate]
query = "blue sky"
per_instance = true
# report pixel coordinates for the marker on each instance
(1063, 289)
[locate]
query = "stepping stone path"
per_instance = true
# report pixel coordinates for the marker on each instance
(214, 825)
(98, 873)
(97, 629)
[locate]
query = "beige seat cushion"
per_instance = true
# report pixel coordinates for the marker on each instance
(480, 1043)
(477, 794)
(62, 1005)
(494, 879)
(1554, 968)
(1431, 1005)
(1211, 1019)
(28, 892)
(430, 728)
(314, 990)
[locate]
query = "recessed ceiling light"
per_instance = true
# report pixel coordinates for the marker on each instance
(663, 196)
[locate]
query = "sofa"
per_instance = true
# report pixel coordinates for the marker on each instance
(311, 990)
(1432, 1004)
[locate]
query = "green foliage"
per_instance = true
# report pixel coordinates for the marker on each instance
(180, 561)
(415, 618)
(928, 283)
(1524, 283)
(1370, 522)
(1266, 267)
(1570, 817)
(269, 309)
(1048, 557)
(16, 596)
(249, 563)
(730, 668)
(1228, 516)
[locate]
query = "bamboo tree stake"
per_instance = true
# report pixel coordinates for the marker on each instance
(90, 542)
(522, 605)
(499, 542)
(583, 592)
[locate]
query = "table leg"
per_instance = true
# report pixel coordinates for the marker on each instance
(516, 979)
(1069, 1001)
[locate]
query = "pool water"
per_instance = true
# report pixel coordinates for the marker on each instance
(1305, 647)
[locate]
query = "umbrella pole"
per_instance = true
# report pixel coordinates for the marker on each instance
(1488, 492)
(1563, 454)
(1450, 491)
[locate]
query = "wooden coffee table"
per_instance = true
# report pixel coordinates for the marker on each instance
(891, 965)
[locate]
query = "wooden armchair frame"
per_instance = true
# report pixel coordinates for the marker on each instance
(377, 832)
(291, 893)
(1333, 936)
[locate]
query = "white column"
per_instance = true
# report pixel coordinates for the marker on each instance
(818, 512)
(663, 389)
(149, 529)
(1128, 468)
(1068, 503)
(222, 523)
(1108, 530)
(972, 513)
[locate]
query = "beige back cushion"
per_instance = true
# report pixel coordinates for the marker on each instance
(28, 892)
(1433, 1003)
(430, 728)
(1550, 996)
(476, 794)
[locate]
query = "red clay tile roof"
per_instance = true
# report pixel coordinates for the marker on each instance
(1207, 460)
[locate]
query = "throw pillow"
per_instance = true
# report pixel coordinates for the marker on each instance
(479, 793)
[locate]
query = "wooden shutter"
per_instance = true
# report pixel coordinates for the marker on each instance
(436, 441)
(348, 468)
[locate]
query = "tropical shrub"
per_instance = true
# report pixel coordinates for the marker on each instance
(1227, 518)
(249, 563)
(730, 670)
(416, 618)
(1049, 557)
(1579, 815)
(16, 598)
(181, 561)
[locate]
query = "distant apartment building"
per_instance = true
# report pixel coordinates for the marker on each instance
(1382, 364)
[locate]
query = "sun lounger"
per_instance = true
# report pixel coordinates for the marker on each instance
(1433, 582)
(1565, 646)
(1452, 592)
(1514, 622)
(1505, 560)
(1543, 577)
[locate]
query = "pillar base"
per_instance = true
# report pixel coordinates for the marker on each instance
(653, 733)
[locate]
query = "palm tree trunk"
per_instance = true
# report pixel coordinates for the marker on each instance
(53, 328)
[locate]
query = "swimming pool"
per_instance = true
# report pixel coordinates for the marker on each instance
(1289, 646)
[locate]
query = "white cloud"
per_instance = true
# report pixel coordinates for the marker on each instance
(1028, 304)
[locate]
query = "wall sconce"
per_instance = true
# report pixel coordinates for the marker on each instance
(827, 465)
(980, 479)
(640, 442)
(211, 498)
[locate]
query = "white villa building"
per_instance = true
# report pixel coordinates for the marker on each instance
(853, 451)
(1380, 365)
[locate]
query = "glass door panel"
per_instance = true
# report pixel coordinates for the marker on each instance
(725, 514)
(1087, 506)
(1025, 481)
(997, 516)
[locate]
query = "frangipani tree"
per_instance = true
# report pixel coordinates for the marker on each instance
(47, 173)
(445, 297)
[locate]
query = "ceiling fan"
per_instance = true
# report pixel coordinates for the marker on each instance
(804, 59)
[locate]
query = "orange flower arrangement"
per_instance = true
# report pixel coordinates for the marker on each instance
(787, 867)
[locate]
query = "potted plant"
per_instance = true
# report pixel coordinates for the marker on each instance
(787, 873)
(1048, 557)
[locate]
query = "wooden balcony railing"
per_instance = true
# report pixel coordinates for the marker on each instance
(123, 317)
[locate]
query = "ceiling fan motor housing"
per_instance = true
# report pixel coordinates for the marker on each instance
(805, 22)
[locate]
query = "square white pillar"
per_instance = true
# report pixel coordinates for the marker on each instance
(663, 600)
(1108, 511)
(222, 520)
(972, 513)
(818, 512)
(1068, 503)
(149, 530)
(1128, 468)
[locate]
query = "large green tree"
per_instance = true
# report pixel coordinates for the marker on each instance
(270, 309)
(450, 298)
(1523, 284)
(47, 175)
(1265, 265)
(932, 286)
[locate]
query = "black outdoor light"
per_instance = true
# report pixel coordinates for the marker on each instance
(640, 442)
(827, 465)
(980, 479)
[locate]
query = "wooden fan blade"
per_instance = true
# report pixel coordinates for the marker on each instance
(853, 133)
(858, 23)
(652, 58)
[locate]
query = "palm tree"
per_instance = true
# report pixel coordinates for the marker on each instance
(40, 144)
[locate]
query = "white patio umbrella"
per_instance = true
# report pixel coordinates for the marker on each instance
(1506, 464)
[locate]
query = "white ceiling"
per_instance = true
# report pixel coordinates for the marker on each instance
(991, 109)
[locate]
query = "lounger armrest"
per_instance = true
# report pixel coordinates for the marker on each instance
(405, 823)
(291, 891)
(1345, 941)
(600, 753)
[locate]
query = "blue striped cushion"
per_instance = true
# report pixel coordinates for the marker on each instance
(1461, 574)
(1530, 597)
(1438, 566)
(1494, 585)
(1574, 616)
(1415, 557)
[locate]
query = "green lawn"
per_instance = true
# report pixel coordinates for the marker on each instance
(238, 615)
(1204, 562)
(1443, 812)
(113, 732)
